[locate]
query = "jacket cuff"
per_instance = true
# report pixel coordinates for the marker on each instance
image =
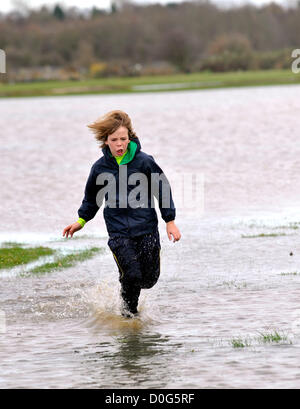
(169, 219)
(81, 221)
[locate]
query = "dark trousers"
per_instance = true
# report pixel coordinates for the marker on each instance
(138, 261)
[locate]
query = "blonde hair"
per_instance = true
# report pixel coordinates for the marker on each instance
(109, 123)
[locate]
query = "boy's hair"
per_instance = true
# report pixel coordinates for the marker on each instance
(109, 123)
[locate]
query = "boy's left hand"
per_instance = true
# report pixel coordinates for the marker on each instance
(172, 230)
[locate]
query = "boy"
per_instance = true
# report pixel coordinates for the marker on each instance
(130, 218)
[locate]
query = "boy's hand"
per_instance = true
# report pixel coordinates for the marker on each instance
(71, 229)
(172, 230)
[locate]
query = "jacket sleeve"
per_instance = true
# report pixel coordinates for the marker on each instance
(89, 207)
(161, 189)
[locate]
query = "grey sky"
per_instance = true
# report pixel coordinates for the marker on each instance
(8, 5)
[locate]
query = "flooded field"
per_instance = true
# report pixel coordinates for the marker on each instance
(225, 312)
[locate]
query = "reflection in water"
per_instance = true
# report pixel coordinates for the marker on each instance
(130, 359)
(132, 352)
(137, 350)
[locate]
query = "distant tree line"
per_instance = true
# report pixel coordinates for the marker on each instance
(132, 39)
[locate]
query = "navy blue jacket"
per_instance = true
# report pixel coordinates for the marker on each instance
(127, 222)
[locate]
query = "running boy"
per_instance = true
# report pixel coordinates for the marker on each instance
(129, 212)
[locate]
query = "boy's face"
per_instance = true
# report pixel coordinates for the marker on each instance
(118, 141)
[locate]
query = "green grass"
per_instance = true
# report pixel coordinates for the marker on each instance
(65, 261)
(201, 80)
(239, 343)
(14, 255)
(272, 337)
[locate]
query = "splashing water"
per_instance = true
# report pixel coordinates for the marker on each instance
(104, 303)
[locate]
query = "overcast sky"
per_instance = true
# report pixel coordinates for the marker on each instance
(8, 5)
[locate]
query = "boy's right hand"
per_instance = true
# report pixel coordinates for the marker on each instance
(71, 229)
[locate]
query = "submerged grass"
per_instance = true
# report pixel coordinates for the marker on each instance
(78, 237)
(254, 236)
(274, 336)
(294, 273)
(234, 284)
(14, 255)
(290, 225)
(240, 343)
(12, 244)
(270, 337)
(65, 261)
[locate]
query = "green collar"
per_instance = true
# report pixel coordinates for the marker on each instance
(128, 155)
(120, 158)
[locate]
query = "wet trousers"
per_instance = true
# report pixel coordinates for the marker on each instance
(138, 261)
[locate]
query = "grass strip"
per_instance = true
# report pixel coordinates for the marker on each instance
(255, 236)
(13, 255)
(65, 261)
(200, 80)
(294, 273)
(12, 244)
(291, 225)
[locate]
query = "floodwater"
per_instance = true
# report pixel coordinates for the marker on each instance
(235, 275)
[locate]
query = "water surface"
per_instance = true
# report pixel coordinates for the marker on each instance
(219, 283)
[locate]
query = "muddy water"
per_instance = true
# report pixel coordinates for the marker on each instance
(231, 276)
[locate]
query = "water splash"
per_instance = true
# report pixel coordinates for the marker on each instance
(104, 302)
